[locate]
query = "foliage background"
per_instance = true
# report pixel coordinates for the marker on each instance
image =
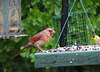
(36, 16)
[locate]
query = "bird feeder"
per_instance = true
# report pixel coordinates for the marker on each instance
(76, 32)
(10, 19)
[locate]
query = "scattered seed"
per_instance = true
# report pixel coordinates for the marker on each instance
(71, 62)
(74, 48)
(42, 64)
(43, 60)
(76, 54)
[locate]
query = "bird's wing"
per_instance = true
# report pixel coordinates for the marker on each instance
(37, 37)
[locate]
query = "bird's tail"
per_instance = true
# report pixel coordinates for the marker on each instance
(22, 49)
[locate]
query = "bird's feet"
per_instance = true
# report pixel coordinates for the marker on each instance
(43, 51)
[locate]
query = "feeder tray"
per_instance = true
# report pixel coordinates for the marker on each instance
(91, 56)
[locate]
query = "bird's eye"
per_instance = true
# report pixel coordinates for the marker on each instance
(93, 36)
(50, 31)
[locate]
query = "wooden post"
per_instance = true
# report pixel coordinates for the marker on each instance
(64, 16)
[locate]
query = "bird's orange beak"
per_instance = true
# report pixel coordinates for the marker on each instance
(92, 38)
(53, 32)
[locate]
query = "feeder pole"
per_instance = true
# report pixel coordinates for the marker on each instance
(64, 16)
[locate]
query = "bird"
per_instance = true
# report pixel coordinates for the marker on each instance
(39, 39)
(96, 38)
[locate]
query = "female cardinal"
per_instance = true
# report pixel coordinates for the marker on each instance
(39, 39)
(96, 38)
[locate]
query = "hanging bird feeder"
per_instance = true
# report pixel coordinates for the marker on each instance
(71, 36)
(10, 19)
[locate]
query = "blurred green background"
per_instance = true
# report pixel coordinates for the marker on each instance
(36, 16)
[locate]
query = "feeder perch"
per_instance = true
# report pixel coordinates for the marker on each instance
(10, 19)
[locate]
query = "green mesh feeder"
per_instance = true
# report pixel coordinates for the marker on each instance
(76, 33)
